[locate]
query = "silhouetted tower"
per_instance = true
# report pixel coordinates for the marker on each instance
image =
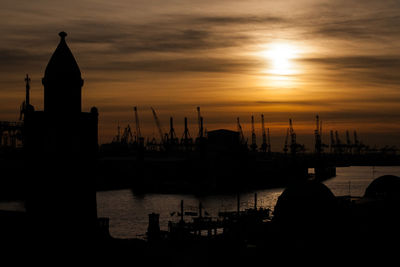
(264, 144)
(62, 145)
(62, 83)
(27, 90)
(269, 142)
(253, 145)
(25, 104)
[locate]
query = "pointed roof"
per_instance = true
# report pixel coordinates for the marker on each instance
(62, 63)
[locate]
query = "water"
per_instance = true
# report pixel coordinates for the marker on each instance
(354, 180)
(128, 212)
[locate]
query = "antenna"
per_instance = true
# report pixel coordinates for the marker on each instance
(28, 87)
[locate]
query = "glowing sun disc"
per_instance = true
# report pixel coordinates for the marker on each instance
(280, 57)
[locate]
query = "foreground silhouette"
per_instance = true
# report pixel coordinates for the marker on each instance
(60, 221)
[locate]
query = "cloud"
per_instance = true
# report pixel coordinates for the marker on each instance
(191, 64)
(233, 20)
(14, 58)
(373, 70)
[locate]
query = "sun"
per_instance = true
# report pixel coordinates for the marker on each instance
(280, 58)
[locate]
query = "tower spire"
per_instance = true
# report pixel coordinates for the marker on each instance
(62, 82)
(28, 87)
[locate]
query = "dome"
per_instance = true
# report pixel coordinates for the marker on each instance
(387, 186)
(306, 203)
(62, 64)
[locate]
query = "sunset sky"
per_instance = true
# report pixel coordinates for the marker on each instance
(285, 59)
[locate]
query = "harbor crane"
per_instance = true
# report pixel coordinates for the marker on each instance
(160, 131)
(339, 146)
(318, 136)
(172, 135)
(186, 140)
(264, 144)
(285, 147)
(127, 136)
(200, 123)
(294, 146)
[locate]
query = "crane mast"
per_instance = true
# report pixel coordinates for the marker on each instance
(172, 135)
(186, 140)
(317, 133)
(138, 133)
(25, 103)
(285, 148)
(293, 143)
(253, 135)
(200, 123)
(348, 142)
(264, 145)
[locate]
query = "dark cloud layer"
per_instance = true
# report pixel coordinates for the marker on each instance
(362, 59)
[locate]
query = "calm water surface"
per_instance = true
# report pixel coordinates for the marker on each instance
(128, 212)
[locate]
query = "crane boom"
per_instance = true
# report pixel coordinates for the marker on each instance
(317, 134)
(160, 132)
(240, 130)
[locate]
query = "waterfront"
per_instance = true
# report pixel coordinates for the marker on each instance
(128, 212)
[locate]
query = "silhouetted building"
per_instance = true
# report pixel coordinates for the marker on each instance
(61, 143)
(223, 140)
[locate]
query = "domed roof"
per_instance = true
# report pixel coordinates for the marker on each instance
(387, 186)
(62, 63)
(306, 201)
